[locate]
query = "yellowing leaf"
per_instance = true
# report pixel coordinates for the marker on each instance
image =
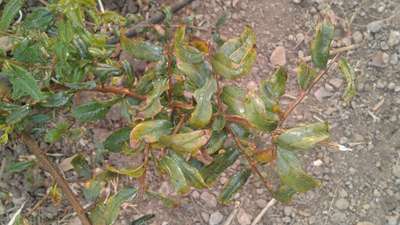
(305, 75)
(176, 174)
(321, 44)
(189, 142)
(149, 131)
(303, 137)
(350, 77)
(55, 194)
(257, 114)
(191, 174)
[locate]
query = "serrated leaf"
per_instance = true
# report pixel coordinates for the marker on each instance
(92, 111)
(273, 88)
(57, 100)
(18, 114)
(16, 167)
(305, 75)
(81, 166)
(141, 49)
(257, 114)
(130, 172)
(291, 173)
(216, 142)
(116, 140)
(235, 183)
(221, 162)
(321, 44)
(233, 97)
(235, 58)
(149, 131)
(106, 213)
(57, 132)
(143, 219)
(350, 77)
(202, 114)
(191, 174)
(303, 137)
(24, 84)
(40, 18)
(189, 142)
(9, 12)
(176, 174)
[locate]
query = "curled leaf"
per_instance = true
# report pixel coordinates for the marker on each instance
(303, 137)
(236, 57)
(273, 88)
(176, 174)
(202, 114)
(257, 114)
(189, 142)
(149, 131)
(321, 44)
(192, 175)
(350, 77)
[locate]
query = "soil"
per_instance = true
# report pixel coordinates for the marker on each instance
(361, 187)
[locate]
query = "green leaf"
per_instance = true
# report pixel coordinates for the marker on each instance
(130, 172)
(152, 106)
(143, 219)
(57, 100)
(291, 173)
(8, 107)
(189, 142)
(234, 185)
(233, 97)
(40, 18)
(216, 142)
(141, 49)
(218, 123)
(219, 165)
(257, 114)
(106, 213)
(81, 166)
(350, 77)
(16, 167)
(274, 88)
(149, 131)
(284, 194)
(92, 111)
(321, 44)
(29, 51)
(117, 140)
(24, 84)
(235, 58)
(202, 114)
(305, 75)
(176, 174)
(18, 114)
(9, 12)
(92, 190)
(56, 133)
(191, 174)
(303, 137)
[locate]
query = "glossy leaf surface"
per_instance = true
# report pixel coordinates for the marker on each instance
(189, 142)
(219, 165)
(235, 183)
(116, 140)
(321, 44)
(202, 114)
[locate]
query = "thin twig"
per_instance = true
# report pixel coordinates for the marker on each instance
(304, 93)
(231, 216)
(142, 179)
(263, 211)
(47, 165)
(117, 90)
(157, 18)
(336, 51)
